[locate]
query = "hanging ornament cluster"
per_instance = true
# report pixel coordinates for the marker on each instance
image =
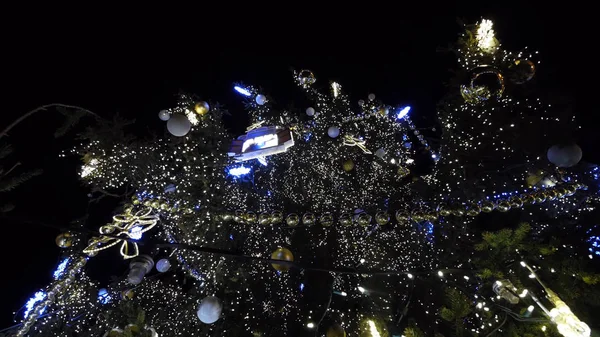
(180, 120)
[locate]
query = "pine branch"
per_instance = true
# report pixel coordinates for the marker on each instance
(13, 182)
(72, 119)
(5, 151)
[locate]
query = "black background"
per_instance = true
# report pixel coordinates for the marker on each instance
(111, 60)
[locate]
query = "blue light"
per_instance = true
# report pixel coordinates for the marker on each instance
(37, 297)
(242, 91)
(136, 233)
(403, 112)
(103, 296)
(239, 171)
(60, 270)
(301, 286)
(230, 236)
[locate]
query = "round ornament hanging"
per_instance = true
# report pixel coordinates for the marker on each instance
(179, 125)
(565, 155)
(64, 240)
(260, 99)
(521, 71)
(209, 310)
(333, 131)
(335, 330)
(164, 115)
(283, 254)
(348, 165)
(163, 265)
(306, 78)
(202, 108)
(310, 111)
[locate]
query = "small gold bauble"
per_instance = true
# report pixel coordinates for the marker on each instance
(348, 165)
(147, 202)
(276, 217)
(539, 197)
(164, 206)
(201, 108)
(306, 78)
(292, 219)
(363, 219)
(345, 219)
(155, 204)
(528, 199)
(487, 206)
(64, 240)
(264, 218)
(136, 201)
(382, 218)
(326, 219)
(458, 211)
(504, 206)
(417, 216)
(238, 216)
(473, 210)
(431, 216)
(250, 217)
(383, 111)
(283, 254)
(443, 210)
(336, 330)
(515, 202)
(308, 219)
(402, 216)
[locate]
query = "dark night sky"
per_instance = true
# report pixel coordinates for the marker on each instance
(135, 67)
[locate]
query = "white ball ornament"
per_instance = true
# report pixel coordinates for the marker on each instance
(371, 97)
(260, 99)
(310, 111)
(164, 115)
(179, 125)
(565, 155)
(380, 153)
(163, 265)
(333, 131)
(209, 310)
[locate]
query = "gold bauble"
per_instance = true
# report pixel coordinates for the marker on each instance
(136, 201)
(417, 216)
(534, 178)
(443, 210)
(458, 211)
(238, 216)
(473, 210)
(155, 204)
(503, 206)
(326, 219)
(147, 202)
(384, 111)
(308, 219)
(264, 218)
(164, 206)
(345, 219)
(336, 330)
(431, 216)
(64, 240)
(227, 216)
(348, 165)
(250, 217)
(487, 206)
(539, 197)
(363, 219)
(283, 254)
(202, 108)
(292, 219)
(515, 202)
(402, 216)
(528, 199)
(382, 218)
(276, 217)
(306, 78)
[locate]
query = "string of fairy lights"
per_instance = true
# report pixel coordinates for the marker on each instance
(336, 188)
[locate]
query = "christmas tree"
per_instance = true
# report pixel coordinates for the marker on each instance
(315, 221)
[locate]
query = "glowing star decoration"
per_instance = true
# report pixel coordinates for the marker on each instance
(261, 142)
(485, 37)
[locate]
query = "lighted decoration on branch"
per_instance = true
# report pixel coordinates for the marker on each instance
(486, 40)
(261, 142)
(352, 141)
(305, 78)
(128, 225)
(486, 82)
(521, 71)
(209, 310)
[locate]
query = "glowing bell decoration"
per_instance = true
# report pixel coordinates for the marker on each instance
(64, 240)
(209, 310)
(202, 108)
(336, 330)
(283, 254)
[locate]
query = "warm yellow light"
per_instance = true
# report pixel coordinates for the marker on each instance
(373, 329)
(485, 37)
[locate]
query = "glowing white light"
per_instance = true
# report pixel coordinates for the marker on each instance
(466, 277)
(523, 263)
(373, 329)
(440, 274)
(403, 112)
(361, 289)
(409, 275)
(239, 171)
(310, 325)
(336, 89)
(362, 260)
(37, 297)
(242, 91)
(524, 293)
(485, 36)
(530, 308)
(343, 293)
